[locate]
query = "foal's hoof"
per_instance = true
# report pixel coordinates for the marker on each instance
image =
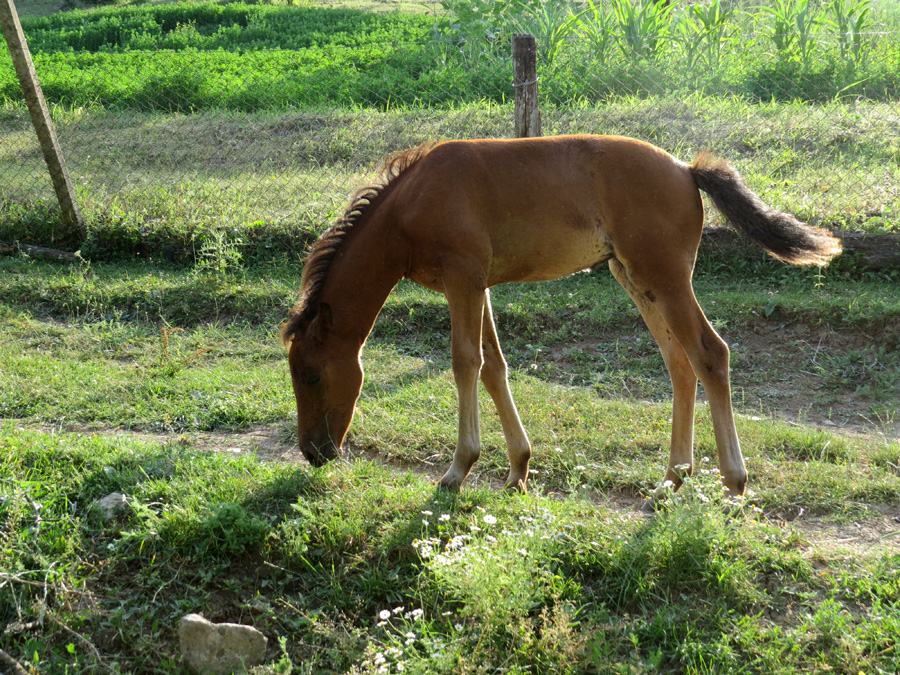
(449, 486)
(648, 508)
(518, 486)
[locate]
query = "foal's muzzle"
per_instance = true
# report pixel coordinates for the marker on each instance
(319, 454)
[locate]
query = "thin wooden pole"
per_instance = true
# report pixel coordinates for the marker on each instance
(525, 82)
(40, 116)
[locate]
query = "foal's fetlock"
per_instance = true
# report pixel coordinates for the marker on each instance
(453, 479)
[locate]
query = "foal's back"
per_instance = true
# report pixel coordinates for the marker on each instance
(537, 209)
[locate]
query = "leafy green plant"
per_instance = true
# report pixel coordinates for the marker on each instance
(476, 24)
(850, 20)
(219, 254)
(704, 30)
(795, 28)
(644, 26)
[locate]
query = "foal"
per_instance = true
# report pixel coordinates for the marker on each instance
(462, 216)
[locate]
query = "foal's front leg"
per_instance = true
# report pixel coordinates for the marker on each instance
(466, 310)
(494, 376)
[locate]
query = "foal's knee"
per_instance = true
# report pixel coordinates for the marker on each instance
(715, 357)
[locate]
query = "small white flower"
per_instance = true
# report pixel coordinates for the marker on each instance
(445, 517)
(581, 467)
(490, 520)
(384, 614)
(427, 513)
(458, 627)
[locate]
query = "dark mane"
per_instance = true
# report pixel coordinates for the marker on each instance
(326, 248)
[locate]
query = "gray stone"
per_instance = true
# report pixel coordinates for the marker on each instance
(112, 504)
(219, 648)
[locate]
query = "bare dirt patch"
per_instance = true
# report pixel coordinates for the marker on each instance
(792, 371)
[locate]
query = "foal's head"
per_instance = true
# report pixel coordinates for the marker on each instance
(327, 378)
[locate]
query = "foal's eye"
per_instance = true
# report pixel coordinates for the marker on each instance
(313, 379)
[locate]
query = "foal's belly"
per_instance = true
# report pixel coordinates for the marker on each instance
(549, 256)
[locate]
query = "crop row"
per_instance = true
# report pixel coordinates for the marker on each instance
(200, 56)
(700, 33)
(383, 75)
(208, 26)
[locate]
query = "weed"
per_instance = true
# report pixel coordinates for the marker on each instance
(219, 254)
(170, 365)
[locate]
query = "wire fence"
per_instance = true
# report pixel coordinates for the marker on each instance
(175, 144)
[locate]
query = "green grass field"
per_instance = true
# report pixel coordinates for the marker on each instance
(151, 367)
(170, 386)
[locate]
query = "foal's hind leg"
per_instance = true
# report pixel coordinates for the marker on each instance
(494, 376)
(684, 380)
(709, 357)
(668, 287)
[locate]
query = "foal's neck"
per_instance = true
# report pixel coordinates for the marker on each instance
(360, 279)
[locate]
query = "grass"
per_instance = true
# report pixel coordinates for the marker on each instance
(177, 184)
(141, 379)
(186, 351)
(357, 567)
(142, 368)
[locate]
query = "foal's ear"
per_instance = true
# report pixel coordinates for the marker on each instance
(321, 324)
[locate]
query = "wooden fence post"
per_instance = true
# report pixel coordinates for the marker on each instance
(40, 116)
(525, 82)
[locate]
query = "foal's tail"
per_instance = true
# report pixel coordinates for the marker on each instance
(780, 234)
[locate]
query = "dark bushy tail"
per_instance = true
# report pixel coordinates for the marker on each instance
(780, 234)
